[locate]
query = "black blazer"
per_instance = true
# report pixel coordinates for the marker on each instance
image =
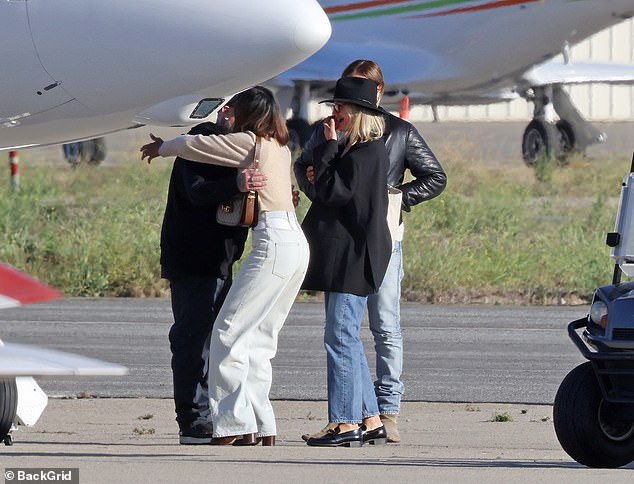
(346, 226)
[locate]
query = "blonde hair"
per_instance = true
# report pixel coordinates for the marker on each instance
(364, 125)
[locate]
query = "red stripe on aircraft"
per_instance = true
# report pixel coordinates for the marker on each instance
(486, 6)
(359, 5)
(25, 289)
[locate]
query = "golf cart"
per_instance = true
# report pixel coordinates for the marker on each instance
(593, 412)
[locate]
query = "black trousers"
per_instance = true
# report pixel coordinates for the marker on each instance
(196, 301)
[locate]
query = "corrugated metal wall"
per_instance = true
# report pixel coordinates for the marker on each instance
(596, 102)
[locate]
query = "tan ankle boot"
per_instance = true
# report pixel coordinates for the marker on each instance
(390, 421)
(321, 433)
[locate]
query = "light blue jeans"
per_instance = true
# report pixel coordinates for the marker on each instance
(350, 391)
(244, 336)
(384, 313)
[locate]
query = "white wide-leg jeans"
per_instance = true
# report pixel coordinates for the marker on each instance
(244, 336)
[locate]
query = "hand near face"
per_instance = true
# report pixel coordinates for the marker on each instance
(330, 133)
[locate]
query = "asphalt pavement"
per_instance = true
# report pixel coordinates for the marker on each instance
(467, 359)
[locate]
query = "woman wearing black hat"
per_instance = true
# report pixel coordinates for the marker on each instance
(350, 248)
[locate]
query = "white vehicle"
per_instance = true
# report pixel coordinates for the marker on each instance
(464, 52)
(593, 411)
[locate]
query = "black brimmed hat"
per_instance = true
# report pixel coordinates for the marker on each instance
(356, 90)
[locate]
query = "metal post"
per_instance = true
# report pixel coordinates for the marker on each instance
(15, 170)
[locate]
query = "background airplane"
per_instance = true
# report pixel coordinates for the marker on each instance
(77, 70)
(464, 52)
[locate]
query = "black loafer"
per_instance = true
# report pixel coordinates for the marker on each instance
(336, 438)
(377, 436)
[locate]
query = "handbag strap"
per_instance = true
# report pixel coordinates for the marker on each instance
(256, 153)
(256, 159)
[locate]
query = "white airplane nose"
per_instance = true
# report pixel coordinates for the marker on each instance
(311, 36)
(93, 67)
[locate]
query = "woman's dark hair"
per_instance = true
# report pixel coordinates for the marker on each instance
(256, 110)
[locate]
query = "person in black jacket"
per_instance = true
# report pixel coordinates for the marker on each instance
(407, 150)
(350, 247)
(197, 255)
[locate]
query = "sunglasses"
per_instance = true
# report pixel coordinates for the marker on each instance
(338, 107)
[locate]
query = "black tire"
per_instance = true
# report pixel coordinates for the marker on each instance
(8, 406)
(567, 141)
(585, 423)
(94, 151)
(540, 140)
(72, 153)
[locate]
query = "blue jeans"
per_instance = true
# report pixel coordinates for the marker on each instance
(350, 391)
(385, 323)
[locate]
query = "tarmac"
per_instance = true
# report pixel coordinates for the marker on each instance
(134, 440)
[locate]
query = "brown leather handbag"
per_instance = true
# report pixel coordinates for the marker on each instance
(242, 209)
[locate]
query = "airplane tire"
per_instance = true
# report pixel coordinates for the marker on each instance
(567, 140)
(91, 151)
(540, 139)
(585, 425)
(8, 406)
(94, 151)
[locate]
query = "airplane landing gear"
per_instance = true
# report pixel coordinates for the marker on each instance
(550, 141)
(91, 151)
(544, 137)
(8, 407)
(540, 140)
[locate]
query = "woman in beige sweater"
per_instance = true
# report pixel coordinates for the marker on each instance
(244, 336)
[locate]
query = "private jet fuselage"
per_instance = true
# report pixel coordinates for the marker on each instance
(75, 70)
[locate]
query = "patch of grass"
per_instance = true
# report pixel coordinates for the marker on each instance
(498, 234)
(501, 417)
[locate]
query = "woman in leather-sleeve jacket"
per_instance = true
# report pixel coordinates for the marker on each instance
(407, 150)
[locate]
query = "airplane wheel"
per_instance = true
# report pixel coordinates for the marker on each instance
(8, 406)
(567, 140)
(541, 139)
(94, 150)
(587, 426)
(91, 151)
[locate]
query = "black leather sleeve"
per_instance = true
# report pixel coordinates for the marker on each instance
(429, 177)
